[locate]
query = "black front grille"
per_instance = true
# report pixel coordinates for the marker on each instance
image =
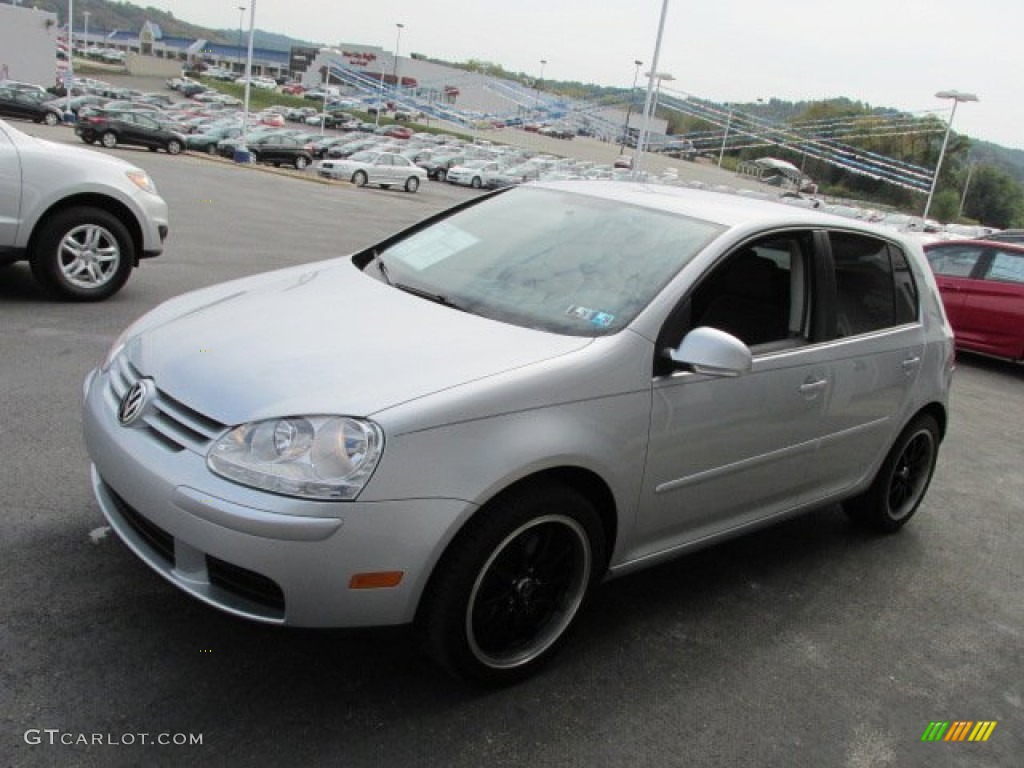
(244, 583)
(160, 540)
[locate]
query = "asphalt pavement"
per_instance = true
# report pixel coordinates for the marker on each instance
(808, 644)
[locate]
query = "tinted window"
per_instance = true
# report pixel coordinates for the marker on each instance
(906, 289)
(867, 298)
(758, 294)
(954, 260)
(1007, 267)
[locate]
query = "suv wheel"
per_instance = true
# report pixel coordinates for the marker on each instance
(902, 480)
(83, 254)
(109, 139)
(511, 583)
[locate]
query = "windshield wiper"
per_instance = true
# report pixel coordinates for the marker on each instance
(382, 268)
(437, 298)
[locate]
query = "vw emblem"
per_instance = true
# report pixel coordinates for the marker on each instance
(134, 402)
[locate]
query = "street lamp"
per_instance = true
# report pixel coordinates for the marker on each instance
(957, 97)
(725, 136)
(86, 14)
(639, 156)
(242, 152)
(241, 15)
(69, 81)
(536, 85)
(398, 40)
(629, 108)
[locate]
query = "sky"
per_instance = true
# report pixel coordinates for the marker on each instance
(887, 53)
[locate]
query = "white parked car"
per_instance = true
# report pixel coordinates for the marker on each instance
(384, 168)
(475, 174)
(81, 219)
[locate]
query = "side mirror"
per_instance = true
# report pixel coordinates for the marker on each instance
(712, 352)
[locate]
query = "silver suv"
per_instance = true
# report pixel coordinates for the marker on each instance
(472, 423)
(81, 219)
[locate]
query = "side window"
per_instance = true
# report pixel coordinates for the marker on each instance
(906, 289)
(874, 287)
(1006, 267)
(759, 294)
(954, 260)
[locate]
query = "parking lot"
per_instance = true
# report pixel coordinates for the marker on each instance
(810, 644)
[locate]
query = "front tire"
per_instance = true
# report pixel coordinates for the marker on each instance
(83, 254)
(511, 584)
(902, 480)
(109, 139)
(412, 184)
(359, 179)
(442, 174)
(476, 183)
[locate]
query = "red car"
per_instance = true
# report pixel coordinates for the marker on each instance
(982, 287)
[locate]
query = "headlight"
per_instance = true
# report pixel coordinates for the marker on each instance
(314, 457)
(141, 180)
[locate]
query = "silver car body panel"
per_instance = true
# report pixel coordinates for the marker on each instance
(54, 172)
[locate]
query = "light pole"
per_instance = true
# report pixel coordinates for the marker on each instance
(536, 86)
(967, 185)
(241, 15)
(86, 44)
(629, 108)
(242, 153)
(725, 136)
(69, 83)
(398, 41)
(650, 92)
(957, 97)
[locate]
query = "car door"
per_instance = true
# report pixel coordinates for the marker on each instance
(993, 312)
(956, 266)
(10, 191)
(383, 169)
(727, 451)
(874, 351)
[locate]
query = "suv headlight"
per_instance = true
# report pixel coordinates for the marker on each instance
(313, 457)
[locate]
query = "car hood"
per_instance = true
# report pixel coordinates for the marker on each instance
(325, 340)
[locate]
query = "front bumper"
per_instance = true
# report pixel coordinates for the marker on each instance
(256, 555)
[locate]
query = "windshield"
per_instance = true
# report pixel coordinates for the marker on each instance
(552, 260)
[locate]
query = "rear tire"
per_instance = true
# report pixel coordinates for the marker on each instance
(511, 583)
(902, 480)
(301, 162)
(51, 119)
(174, 147)
(83, 254)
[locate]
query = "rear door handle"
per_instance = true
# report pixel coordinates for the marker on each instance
(911, 363)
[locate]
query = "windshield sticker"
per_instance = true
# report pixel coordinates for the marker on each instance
(433, 245)
(592, 316)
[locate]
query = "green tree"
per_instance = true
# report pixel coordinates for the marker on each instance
(995, 198)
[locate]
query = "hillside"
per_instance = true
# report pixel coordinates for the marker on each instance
(109, 16)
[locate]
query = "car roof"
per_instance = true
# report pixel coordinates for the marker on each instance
(1002, 246)
(716, 207)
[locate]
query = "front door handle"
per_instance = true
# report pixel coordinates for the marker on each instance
(911, 363)
(811, 387)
